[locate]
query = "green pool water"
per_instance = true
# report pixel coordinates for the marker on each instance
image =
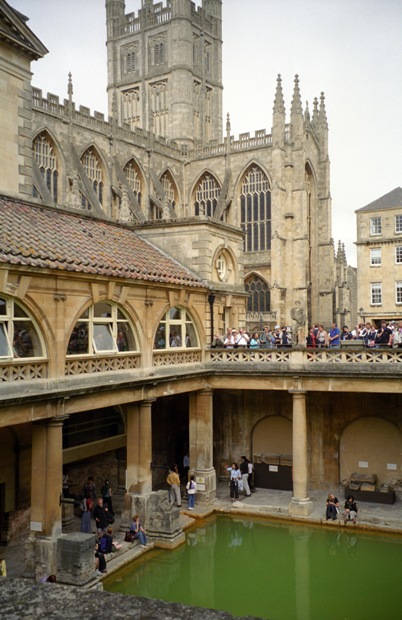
(274, 571)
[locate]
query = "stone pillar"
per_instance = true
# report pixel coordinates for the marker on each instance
(201, 444)
(301, 504)
(46, 486)
(47, 473)
(139, 447)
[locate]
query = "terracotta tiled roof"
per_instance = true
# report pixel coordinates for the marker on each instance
(44, 237)
(391, 200)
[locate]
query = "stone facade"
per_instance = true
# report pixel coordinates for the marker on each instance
(127, 231)
(379, 258)
(274, 187)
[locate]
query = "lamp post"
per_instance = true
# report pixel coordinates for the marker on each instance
(361, 313)
(211, 301)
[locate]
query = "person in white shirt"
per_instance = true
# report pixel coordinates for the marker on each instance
(191, 488)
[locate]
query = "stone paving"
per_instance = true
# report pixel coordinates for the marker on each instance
(268, 503)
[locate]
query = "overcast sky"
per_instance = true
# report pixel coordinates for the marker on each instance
(350, 49)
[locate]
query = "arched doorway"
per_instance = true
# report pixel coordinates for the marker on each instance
(371, 445)
(272, 453)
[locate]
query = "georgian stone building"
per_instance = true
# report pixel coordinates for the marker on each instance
(379, 258)
(126, 243)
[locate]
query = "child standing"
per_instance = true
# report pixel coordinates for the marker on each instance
(191, 487)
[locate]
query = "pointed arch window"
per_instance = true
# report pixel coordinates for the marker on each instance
(45, 158)
(134, 178)
(259, 296)
(170, 195)
(207, 193)
(19, 334)
(255, 209)
(159, 54)
(93, 169)
(102, 329)
(176, 330)
(130, 61)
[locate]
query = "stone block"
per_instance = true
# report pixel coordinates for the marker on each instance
(75, 558)
(357, 477)
(366, 486)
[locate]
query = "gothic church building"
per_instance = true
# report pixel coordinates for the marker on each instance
(126, 243)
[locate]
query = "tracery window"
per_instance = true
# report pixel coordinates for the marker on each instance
(259, 296)
(19, 334)
(159, 106)
(45, 158)
(158, 53)
(134, 177)
(255, 208)
(102, 328)
(93, 169)
(176, 330)
(131, 107)
(206, 195)
(130, 60)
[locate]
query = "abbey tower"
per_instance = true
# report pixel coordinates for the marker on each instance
(251, 214)
(165, 68)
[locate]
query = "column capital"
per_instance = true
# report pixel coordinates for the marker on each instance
(297, 392)
(205, 390)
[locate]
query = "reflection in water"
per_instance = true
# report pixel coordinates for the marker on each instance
(272, 570)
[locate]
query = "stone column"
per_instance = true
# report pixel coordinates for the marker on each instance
(139, 447)
(47, 474)
(301, 504)
(46, 486)
(201, 444)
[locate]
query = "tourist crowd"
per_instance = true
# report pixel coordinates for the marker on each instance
(364, 334)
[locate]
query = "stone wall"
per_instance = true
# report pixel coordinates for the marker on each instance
(21, 598)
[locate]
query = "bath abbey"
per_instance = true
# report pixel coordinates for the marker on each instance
(131, 244)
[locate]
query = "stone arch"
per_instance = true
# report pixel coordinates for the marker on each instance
(182, 321)
(259, 300)
(272, 450)
(247, 166)
(49, 160)
(205, 194)
(135, 178)
(374, 441)
(171, 189)
(118, 325)
(24, 335)
(97, 172)
(272, 435)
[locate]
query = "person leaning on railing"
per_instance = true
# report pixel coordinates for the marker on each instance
(383, 337)
(397, 336)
